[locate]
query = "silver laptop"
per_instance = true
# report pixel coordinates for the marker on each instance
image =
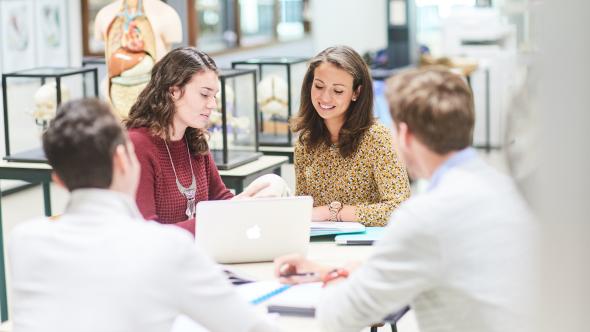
(253, 230)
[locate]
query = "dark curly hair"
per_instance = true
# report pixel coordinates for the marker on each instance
(359, 116)
(155, 107)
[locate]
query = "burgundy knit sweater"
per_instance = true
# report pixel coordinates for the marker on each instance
(158, 198)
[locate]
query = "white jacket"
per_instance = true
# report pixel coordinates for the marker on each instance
(459, 255)
(101, 267)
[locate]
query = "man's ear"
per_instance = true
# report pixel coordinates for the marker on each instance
(55, 178)
(404, 134)
(120, 162)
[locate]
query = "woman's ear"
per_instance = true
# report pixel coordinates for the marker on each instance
(356, 93)
(175, 92)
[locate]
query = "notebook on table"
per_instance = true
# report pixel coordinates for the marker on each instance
(293, 300)
(321, 228)
(368, 237)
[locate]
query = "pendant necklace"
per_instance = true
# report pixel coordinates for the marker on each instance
(190, 192)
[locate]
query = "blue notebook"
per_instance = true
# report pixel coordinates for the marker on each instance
(368, 237)
(321, 228)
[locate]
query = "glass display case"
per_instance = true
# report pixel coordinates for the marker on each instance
(279, 91)
(30, 99)
(233, 130)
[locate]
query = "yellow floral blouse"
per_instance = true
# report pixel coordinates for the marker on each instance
(373, 179)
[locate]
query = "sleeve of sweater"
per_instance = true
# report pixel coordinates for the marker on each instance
(405, 263)
(146, 191)
(301, 161)
(217, 189)
(390, 178)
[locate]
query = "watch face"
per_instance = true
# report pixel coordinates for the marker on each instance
(335, 205)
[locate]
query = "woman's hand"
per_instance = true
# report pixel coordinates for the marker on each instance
(252, 190)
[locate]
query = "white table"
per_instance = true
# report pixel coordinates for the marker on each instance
(238, 178)
(325, 252)
(286, 151)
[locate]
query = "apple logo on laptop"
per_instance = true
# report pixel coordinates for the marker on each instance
(253, 232)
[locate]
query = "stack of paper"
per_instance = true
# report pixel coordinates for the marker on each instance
(319, 228)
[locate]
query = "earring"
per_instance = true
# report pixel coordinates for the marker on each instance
(353, 99)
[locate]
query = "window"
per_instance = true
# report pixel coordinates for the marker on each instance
(219, 25)
(90, 8)
(257, 22)
(215, 25)
(291, 20)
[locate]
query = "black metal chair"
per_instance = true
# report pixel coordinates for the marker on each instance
(392, 319)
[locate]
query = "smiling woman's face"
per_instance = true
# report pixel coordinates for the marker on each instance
(332, 92)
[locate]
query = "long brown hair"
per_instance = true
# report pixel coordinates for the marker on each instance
(155, 107)
(359, 116)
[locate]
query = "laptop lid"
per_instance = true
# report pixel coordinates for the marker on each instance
(253, 230)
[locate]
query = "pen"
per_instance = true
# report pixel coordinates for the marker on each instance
(306, 274)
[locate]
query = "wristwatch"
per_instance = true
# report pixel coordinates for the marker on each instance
(334, 208)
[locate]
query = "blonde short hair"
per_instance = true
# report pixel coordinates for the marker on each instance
(436, 105)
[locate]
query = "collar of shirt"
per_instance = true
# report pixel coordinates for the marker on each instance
(457, 159)
(97, 202)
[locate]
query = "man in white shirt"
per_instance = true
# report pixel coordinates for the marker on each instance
(459, 253)
(100, 266)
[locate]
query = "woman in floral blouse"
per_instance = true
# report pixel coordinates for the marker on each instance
(343, 158)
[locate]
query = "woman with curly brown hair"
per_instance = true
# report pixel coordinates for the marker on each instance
(168, 126)
(343, 158)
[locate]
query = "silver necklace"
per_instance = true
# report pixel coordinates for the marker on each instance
(190, 192)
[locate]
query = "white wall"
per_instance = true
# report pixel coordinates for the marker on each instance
(75, 31)
(563, 183)
(359, 24)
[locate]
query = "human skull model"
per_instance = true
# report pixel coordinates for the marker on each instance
(273, 95)
(46, 102)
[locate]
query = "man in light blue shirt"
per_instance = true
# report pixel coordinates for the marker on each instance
(459, 253)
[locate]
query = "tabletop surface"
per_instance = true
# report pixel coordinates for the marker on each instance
(324, 252)
(246, 169)
(252, 167)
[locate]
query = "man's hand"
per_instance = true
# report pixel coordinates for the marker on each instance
(295, 269)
